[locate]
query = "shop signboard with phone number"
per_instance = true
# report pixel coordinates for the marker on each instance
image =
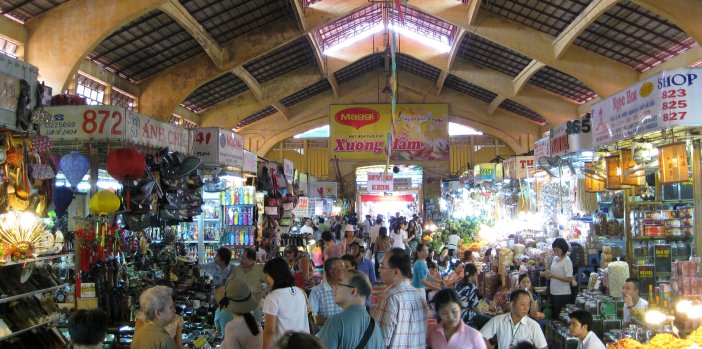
(665, 100)
(86, 122)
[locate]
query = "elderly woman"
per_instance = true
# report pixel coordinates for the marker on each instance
(157, 305)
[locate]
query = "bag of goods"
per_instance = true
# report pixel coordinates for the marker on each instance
(518, 249)
(577, 255)
(617, 273)
(626, 343)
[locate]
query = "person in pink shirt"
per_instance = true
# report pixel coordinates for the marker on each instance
(451, 332)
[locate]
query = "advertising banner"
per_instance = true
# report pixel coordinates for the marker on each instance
(518, 167)
(360, 132)
(402, 183)
(142, 129)
(378, 184)
(665, 100)
(323, 188)
(218, 146)
(250, 162)
(302, 208)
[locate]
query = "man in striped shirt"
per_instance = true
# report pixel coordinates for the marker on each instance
(402, 312)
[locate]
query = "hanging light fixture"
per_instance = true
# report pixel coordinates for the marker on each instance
(614, 172)
(593, 183)
(628, 163)
(672, 159)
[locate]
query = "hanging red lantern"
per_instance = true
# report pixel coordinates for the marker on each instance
(125, 164)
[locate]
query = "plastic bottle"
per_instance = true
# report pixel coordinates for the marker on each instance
(236, 216)
(252, 236)
(245, 221)
(240, 190)
(246, 238)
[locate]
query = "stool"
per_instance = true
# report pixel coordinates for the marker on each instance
(582, 277)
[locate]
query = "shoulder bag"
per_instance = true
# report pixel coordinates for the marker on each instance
(367, 334)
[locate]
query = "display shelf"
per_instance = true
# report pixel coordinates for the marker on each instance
(662, 202)
(247, 205)
(38, 259)
(240, 225)
(211, 219)
(44, 323)
(28, 294)
(650, 238)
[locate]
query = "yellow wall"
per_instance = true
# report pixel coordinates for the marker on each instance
(315, 161)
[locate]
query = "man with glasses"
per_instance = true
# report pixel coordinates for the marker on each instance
(322, 296)
(402, 312)
(353, 327)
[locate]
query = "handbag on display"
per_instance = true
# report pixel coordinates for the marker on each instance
(41, 170)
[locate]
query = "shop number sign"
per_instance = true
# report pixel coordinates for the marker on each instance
(86, 122)
(204, 146)
(218, 146)
(376, 182)
(571, 137)
(659, 102)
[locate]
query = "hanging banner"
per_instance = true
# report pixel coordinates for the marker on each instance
(518, 167)
(250, 162)
(142, 129)
(542, 148)
(376, 182)
(402, 183)
(391, 198)
(112, 123)
(665, 100)
(303, 183)
(318, 207)
(218, 146)
(288, 170)
(359, 132)
(323, 188)
(302, 208)
(487, 172)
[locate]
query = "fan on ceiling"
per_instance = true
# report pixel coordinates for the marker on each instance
(553, 165)
(216, 184)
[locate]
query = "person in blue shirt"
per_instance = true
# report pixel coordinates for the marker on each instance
(364, 264)
(420, 272)
(347, 329)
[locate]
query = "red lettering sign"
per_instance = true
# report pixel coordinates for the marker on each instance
(357, 117)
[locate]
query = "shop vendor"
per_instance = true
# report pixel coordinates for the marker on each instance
(633, 304)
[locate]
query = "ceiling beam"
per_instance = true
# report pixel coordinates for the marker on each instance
(282, 110)
(451, 57)
(685, 14)
(603, 75)
(327, 11)
(250, 81)
(473, 8)
(321, 63)
(180, 14)
(521, 80)
(492, 107)
(580, 23)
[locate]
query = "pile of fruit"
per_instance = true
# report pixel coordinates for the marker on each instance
(696, 336)
(466, 229)
(659, 341)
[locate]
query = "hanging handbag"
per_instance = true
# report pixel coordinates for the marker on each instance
(15, 153)
(314, 326)
(41, 144)
(40, 170)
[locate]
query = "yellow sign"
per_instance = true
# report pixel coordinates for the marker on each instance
(360, 132)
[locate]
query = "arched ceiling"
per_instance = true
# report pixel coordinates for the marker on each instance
(264, 66)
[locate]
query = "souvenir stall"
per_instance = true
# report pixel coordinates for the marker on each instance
(275, 184)
(229, 216)
(648, 152)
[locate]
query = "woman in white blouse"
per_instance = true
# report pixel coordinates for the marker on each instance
(561, 275)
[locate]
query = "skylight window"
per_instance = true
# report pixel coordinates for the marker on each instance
(455, 129)
(319, 132)
(369, 20)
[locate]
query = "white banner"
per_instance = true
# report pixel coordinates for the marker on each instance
(376, 183)
(571, 137)
(518, 167)
(323, 188)
(250, 162)
(142, 129)
(218, 146)
(302, 208)
(542, 147)
(665, 100)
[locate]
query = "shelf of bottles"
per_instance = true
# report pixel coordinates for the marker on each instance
(669, 224)
(238, 213)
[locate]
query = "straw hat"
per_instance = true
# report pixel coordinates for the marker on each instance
(349, 227)
(238, 298)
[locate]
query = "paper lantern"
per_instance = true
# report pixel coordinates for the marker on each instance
(104, 202)
(62, 198)
(593, 184)
(614, 172)
(627, 160)
(125, 164)
(74, 166)
(672, 159)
